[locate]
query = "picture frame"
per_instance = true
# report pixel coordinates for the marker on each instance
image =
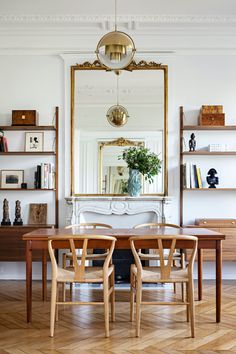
(38, 213)
(12, 179)
(34, 141)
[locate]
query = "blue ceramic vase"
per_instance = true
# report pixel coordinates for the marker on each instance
(134, 183)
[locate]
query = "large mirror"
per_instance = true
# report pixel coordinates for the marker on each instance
(96, 144)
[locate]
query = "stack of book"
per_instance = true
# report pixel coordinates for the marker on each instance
(191, 176)
(3, 144)
(45, 176)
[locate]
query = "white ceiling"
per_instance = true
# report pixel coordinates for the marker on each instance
(130, 7)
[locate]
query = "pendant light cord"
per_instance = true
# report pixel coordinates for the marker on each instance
(117, 90)
(115, 15)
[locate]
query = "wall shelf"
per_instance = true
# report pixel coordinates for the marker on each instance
(192, 153)
(209, 189)
(27, 153)
(26, 189)
(199, 153)
(204, 127)
(12, 247)
(27, 127)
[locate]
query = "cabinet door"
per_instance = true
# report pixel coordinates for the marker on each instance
(229, 244)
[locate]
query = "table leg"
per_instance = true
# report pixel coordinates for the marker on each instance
(44, 274)
(218, 279)
(29, 280)
(199, 269)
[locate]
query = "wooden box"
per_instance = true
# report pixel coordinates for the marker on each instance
(212, 109)
(26, 117)
(209, 119)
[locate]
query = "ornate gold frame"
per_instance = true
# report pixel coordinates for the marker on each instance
(117, 142)
(142, 65)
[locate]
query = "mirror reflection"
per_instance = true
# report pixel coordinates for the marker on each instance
(114, 172)
(142, 91)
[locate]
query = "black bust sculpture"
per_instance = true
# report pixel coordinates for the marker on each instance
(18, 221)
(212, 180)
(192, 143)
(5, 220)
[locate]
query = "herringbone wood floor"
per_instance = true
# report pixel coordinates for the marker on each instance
(81, 329)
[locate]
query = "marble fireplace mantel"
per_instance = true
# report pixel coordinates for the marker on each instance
(140, 209)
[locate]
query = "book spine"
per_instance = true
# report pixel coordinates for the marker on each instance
(46, 176)
(199, 177)
(188, 179)
(1, 144)
(42, 176)
(5, 144)
(195, 176)
(184, 176)
(50, 176)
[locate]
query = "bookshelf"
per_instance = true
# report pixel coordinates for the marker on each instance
(199, 153)
(12, 235)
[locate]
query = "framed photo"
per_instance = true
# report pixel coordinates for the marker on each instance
(12, 178)
(34, 141)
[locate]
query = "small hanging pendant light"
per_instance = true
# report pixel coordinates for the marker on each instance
(117, 115)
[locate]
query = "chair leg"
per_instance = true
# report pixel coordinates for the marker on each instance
(187, 306)
(106, 307)
(183, 267)
(57, 299)
(174, 287)
(138, 306)
(113, 297)
(53, 307)
(191, 307)
(64, 284)
(132, 294)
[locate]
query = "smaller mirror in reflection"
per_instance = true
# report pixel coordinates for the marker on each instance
(114, 173)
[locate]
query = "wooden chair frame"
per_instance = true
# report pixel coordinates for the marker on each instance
(164, 275)
(180, 258)
(91, 256)
(78, 275)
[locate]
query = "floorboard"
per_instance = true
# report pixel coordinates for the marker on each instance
(81, 329)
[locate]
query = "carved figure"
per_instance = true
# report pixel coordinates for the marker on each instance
(18, 220)
(192, 143)
(212, 180)
(5, 220)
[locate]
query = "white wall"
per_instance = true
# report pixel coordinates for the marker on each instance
(38, 82)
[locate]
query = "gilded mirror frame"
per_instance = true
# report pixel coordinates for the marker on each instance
(141, 65)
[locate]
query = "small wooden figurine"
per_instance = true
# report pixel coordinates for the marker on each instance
(5, 220)
(192, 143)
(18, 220)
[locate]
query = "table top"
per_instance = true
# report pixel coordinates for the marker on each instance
(201, 233)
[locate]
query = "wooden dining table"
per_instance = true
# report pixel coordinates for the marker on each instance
(207, 239)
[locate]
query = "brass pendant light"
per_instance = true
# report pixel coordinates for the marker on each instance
(117, 115)
(116, 49)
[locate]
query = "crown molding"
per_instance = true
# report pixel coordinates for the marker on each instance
(108, 20)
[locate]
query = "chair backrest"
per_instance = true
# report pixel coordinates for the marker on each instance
(155, 224)
(74, 244)
(165, 266)
(89, 225)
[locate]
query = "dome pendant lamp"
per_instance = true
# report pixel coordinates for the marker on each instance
(116, 49)
(117, 115)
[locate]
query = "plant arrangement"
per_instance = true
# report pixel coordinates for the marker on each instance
(143, 160)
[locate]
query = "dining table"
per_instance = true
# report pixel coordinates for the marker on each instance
(207, 239)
